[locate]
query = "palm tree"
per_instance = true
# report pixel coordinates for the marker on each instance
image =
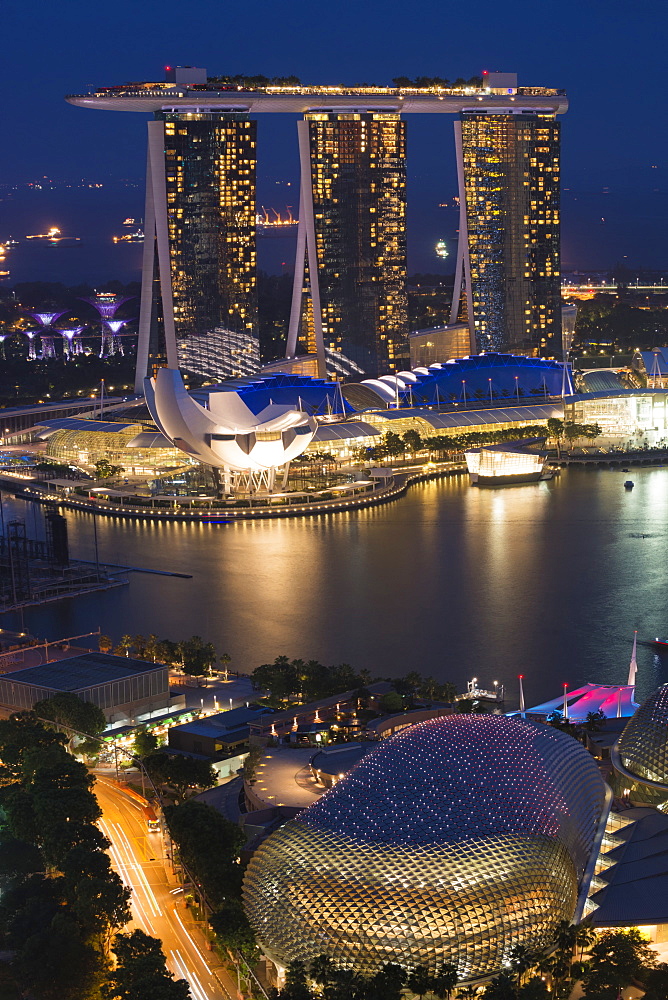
(322, 970)
(126, 644)
(226, 659)
(105, 643)
(152, 646)
(520, 961)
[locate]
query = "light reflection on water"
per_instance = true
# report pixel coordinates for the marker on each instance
(548, 580)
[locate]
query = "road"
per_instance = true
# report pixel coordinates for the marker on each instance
(137, 856)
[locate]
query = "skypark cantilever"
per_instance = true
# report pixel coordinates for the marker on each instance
(349, 291)
(304, 99)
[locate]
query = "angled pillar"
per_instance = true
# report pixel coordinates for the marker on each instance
(306, 245)
(462, 284)
(156, 237)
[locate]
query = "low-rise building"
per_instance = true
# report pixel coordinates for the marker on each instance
(127, 690)
(212, 735)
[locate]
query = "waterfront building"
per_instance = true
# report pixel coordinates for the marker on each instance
(507, 281)
(139, 452)
(500, 379)
(640, 759)
(653, 366)
(464, 837)
(438, 344)
(127, 690)
(353, 220)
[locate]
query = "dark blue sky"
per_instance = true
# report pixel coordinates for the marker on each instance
(608, 55)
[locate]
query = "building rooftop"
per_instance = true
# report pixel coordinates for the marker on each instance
(224, 724)
(77, 672)
(636, 884)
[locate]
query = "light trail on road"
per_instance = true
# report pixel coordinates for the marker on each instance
(136, 856)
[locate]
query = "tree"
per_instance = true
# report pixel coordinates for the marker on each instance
(145, 743)
(209, 847)
(102, 905)
(141, 971)
(444, 981)
(617, 959)
(501, 988)
(125, 645)
(226, 659)
(555, 429)
(180, 772)
(105, 470)
(105, 643)
(412, 440)
(322, 970)
(419, 980)
(232, 928)
(595, 721)
(520, 961)
(296, 987)
(656, 983)
(391, 702)
(198, 656)
(67, 709)
(534, 989)
(21, 733)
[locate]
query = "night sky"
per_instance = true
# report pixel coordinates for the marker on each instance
(609, 57)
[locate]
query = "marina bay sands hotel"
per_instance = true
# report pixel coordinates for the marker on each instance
(199, 285)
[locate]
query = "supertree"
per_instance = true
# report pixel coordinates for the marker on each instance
(32, 349)
(47, 333)
(72, 340)
(107, 306)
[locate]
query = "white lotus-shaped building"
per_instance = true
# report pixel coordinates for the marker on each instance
(226, 433)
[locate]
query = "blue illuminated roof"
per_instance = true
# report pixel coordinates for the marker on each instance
(314, 395)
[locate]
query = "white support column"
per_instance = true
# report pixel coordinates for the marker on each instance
(147, 267)
(306, 202)
(156, 143)
(463, 268)
(298, 283)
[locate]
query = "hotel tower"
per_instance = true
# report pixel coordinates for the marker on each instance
(353, 212)
(198, 307)
(507, 283)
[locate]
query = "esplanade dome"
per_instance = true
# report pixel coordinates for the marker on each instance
(640, 758)
(453, 841)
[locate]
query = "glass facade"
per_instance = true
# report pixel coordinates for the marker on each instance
(210, 164)
(642, 751)
(511, 177)
(83, 449)
(453, 841)
(358, 172)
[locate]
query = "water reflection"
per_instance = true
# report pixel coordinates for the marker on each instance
(548, 580)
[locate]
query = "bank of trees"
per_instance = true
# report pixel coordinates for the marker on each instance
(444, 445)
(306, 680)
(61, 904)
(209, 846)
(604, 964)
(195, 656)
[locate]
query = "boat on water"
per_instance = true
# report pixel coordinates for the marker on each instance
(54, 235)
(629, 484)
(659, 643)
(510, 463)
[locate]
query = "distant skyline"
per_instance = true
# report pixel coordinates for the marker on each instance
(607, 56)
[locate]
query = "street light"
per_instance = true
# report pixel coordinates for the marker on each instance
(490, 390)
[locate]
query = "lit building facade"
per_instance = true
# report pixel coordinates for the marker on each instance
(455, 840)
(507, 282)
(199, 270)
(640, 758)
(351, 295)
